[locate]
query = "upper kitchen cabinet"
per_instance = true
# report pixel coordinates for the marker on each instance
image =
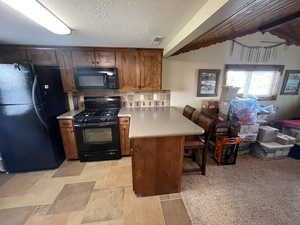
(105, 58)
(64, 57)
(139, 69)
(128, 64)
(13, 55)
(93, 57)
(151, 69)
(42, 56)
(83, 57)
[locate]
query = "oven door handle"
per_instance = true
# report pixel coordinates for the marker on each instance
(96, 125)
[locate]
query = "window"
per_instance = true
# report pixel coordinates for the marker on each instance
(260, 81)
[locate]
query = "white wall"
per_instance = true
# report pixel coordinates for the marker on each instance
(180, 72)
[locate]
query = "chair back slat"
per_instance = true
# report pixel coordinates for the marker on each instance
(205, 122)
(195, 116)
(188, 111)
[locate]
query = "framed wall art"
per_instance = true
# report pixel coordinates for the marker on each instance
(208, 81)
(291, 82)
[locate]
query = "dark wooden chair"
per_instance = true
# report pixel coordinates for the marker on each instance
(198, 145)
(195, 116)
(188, 111)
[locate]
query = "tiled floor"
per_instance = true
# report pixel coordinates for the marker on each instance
(95, 193)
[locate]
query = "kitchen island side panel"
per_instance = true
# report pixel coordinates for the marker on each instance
(157, 165)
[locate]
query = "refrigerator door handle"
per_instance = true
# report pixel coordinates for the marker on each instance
(34, 86)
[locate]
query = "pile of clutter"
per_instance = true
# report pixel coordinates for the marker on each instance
(291, 128)
(248, 134)
(248, 121)
(271, 144)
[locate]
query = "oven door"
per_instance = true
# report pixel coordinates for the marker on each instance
(100, 141)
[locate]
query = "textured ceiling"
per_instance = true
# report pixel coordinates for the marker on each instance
(115, 23)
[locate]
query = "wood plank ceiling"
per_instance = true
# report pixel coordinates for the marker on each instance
(289, 31)
(247, 20)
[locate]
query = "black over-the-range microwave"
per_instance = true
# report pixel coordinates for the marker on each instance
(96, 78)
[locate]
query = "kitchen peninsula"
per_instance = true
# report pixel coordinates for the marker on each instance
(157, 145)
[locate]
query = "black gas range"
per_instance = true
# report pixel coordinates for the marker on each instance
(97, 129)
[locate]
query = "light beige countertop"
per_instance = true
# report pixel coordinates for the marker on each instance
(158, 122)
(69, 115)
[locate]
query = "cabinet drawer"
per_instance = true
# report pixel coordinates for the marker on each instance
(124, 120)
(66, 123)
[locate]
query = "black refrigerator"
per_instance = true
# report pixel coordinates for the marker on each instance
(31, 97)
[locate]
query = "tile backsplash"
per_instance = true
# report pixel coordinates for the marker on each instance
(133, 99)
(146, 99)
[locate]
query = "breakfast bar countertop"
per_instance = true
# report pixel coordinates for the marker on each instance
(158, 122)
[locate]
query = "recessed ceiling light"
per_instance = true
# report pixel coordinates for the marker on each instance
(38, 13)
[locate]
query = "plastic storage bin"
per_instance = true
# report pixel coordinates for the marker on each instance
(271, 150)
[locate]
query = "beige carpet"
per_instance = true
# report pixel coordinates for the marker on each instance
(253, 192)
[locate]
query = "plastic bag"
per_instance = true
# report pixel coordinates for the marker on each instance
(266, 109)
(243, 111)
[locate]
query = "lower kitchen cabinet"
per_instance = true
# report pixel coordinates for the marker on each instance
(124, 135)
(69, 140)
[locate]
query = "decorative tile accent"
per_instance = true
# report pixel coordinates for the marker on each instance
(19, 184)
(57, 219)
(69, 168)
(15, 216)
(142, 210)
(146, 99)
(73, 197)
(134, 99)
(175, 213)
(104, 205)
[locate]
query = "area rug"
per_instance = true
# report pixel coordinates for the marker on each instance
(253, 192)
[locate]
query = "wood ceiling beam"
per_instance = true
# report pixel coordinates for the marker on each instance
(241, 21)
(195, 26)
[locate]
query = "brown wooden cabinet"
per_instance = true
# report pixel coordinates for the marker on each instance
(41, 56)
(13, 55)
(93, 57)
(105, 58)
(151, 69)
(139, 69)
(69, 140)
(64, 57)
(157, 164)
(83, 57)
(128, 64)
(124, 135)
